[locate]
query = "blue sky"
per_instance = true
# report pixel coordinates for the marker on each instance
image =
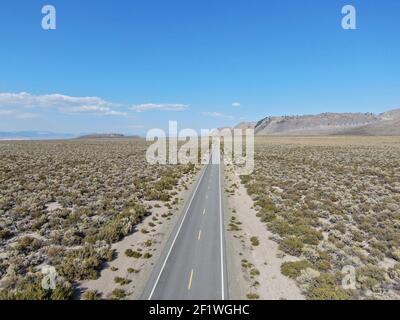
(190, 61)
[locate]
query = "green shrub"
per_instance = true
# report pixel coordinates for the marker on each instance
(246, 264)
(254, 241)
(91, 295)
(5, 234)
(28, 244)
(323, 262)
(84, 263)
(292, 246)
(167, 182)
(30, 288)
(326, 287)
(245, 179)
(358, 236)
(266, 216)
(293, 269)
(148, 243)
(282, 227)
(394, 272)
(370, 276)
(133, 254)
(233, 227)
(147, 255)
(131, 270)
(118, 294)
(120, 226)
(122, 281)
(253, 296)
(254, 272)
(310, 235)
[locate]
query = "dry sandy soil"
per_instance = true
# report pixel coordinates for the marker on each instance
(254, 270)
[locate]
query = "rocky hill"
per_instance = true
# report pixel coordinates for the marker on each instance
(387, 123)
(245, 125)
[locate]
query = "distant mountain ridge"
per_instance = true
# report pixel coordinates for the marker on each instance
(387, 123)
(47, 135)
(102, 136)
(34, 135)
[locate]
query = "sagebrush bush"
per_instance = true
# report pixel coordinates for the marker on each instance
(292, 246)
(118, 294)
(91, 295)
(370, 276)
(30, 288)
(293, 269)
(133, 254)
(327, 287)
(84, 263)
(254, 241)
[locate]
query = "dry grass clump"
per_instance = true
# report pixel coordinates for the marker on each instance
(63, 203)
(332, 202)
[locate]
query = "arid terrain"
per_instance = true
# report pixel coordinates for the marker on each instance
(332, 206)
(318, 219)
(65, 203)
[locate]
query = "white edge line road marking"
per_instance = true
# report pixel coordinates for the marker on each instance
(221, 234)
(177, 234)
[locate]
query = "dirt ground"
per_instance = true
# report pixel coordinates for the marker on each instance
(254, 270)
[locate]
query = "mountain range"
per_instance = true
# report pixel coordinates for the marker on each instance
(34, 135)
(47, 135)
(365, 124)
(368, 124)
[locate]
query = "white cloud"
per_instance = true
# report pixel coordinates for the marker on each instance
(17, 114)
(74, 105)
(216, 115)
(66, 104)
(236, 104)
(98, 110)
(160, 107)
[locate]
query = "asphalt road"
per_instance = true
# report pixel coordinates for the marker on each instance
(192, 266)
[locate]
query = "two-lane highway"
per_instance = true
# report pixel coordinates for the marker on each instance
(192, 266)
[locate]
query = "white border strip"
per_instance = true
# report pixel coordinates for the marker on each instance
(221, 229)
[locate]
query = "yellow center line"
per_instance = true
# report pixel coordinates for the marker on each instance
(199, 237)
(190, 280)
